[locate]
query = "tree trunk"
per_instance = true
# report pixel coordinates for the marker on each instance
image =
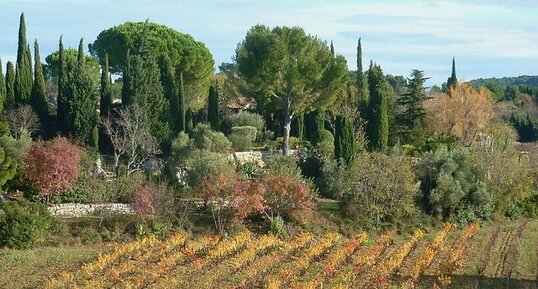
(288, 117)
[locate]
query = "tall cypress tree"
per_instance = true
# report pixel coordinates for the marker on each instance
(181, 116)
(10, 85)
(127, 86)
(213, 108)
(378, 122)
(362, 93)
(344, 141)
(332, 48)
(39, 95)
(2, 87)
(147, 90)
(23, 71)
(62, 100)
(105, 104)
(452, 80)
(298, 126)
(105, 101)
(170, 91)
(83, 97)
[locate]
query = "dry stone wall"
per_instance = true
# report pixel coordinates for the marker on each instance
(80, 210)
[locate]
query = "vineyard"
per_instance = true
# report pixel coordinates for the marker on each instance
(434, 260)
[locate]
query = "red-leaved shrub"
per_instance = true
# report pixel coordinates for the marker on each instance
(247, 199)
(232, 199)
(52, 167)
(288, 197)
(143, 201)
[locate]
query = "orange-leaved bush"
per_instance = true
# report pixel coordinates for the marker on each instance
(52, 167)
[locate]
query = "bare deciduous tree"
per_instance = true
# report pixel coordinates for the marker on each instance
(21, 120)
(130, 134)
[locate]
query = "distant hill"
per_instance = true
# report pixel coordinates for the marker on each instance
(527, 80)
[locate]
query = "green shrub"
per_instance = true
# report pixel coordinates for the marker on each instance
(281, 165)
(452, 186)
(378, 186)
(277, 227)
(203, 163)
(323, 142)
(242, 137)
(205, 138)
(24, 224)
(239, 142)
(245, 131)
(244, 118)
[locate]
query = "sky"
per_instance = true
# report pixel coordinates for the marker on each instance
(488, 38)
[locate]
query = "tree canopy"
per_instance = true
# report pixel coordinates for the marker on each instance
(290, 70)
(190, 57)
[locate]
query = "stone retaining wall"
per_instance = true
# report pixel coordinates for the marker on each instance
(80, 210)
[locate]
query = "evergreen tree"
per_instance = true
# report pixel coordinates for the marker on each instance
(62, 100)
(23, 71)
(2, 87)
(412, 119)
(213, 108)
(38, 100)
(362, 93)
(377, 116)
(10, 85)
(332, 48)
(297, 126)
(170, 91)
(452, 80)
(99, 136)
(83, 97)
(344, 141)
(106, 89)
(127, 86)
(180, 113)
(147, 90)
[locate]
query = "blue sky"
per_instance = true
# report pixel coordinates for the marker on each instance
(489, 38)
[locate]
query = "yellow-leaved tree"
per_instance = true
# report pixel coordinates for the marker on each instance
(463, 112)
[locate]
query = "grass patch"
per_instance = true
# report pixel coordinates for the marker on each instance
(31, 268)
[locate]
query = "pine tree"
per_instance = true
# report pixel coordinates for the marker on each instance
(10, 85)
(413, 117)
(344, 142)
(23, 71)
(377, 120)
(38, 99)
(213, 108)
(127, 86)
(452, 80)
(83, 97)
(2, 87)
(105, 101)
(62, 100)
(362, 93)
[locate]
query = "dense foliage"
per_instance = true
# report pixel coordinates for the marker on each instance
(24, 224)
(284, 139)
